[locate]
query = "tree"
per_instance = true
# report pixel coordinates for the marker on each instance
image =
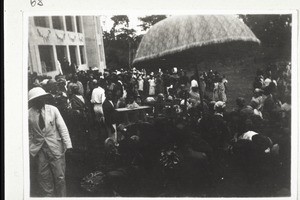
(150, 20)
(274, 31)
(118, 43)
(121, 42)
(120, 20)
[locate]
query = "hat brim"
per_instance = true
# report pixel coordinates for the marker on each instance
(39, 97)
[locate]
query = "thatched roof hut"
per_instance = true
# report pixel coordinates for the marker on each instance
(177, 35)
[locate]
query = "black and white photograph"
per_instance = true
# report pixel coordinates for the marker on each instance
(165, 105)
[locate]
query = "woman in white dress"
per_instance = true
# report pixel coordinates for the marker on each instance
(152, 85)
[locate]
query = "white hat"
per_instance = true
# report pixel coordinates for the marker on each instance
(267, 82)
(194, 83)
(174, 70)
(36, 92)
(219, 104)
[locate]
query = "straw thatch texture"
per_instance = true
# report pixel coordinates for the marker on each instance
(179, 33)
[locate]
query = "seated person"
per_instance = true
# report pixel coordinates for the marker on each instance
(131, 104)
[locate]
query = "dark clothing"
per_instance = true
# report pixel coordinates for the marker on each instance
(183, 80)
(80, 124)
(215, 131)
(65, 66)
(109, 114)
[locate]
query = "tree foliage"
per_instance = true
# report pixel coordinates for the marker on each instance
(121, 42)
(274, 31)
(120, 20)
(150, 20)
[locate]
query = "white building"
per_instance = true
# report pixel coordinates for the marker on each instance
(52, 38)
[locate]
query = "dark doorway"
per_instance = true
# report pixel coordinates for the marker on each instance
(73, 54)
(61, 52)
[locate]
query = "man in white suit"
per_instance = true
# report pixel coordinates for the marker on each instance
(48, 141)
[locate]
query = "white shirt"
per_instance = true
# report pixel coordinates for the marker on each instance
(98, 95)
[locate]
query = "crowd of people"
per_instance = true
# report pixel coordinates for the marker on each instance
(193, 107)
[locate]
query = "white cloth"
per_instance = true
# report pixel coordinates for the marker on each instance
(248, 135)
(152, 86)
(224, 80)
(98, 95)
(140, 84)
(267, 82)
(124, 91)
(194, 83)
(58, 65)
(286, 107)
(257, 112)
(215, 92)
(81, 98)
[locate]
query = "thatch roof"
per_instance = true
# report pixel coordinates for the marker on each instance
(180, 33)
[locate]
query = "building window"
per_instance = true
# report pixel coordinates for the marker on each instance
(47, 58)
(61, 52)
(78, 23)
(41, 21)
(82, 54)
(70, 23)
(73, 54)
(57, 22)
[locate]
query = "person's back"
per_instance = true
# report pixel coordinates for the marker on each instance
(97, 99)
(247, 111)
(98, 95)
(217, 133)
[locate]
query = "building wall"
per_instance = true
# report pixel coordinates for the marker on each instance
(94, 42)
(55, 38)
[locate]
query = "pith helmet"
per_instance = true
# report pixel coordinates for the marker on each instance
(36, 92)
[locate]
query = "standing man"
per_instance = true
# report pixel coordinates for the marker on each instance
(110, 115)
(97, 99)
(48, 141)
